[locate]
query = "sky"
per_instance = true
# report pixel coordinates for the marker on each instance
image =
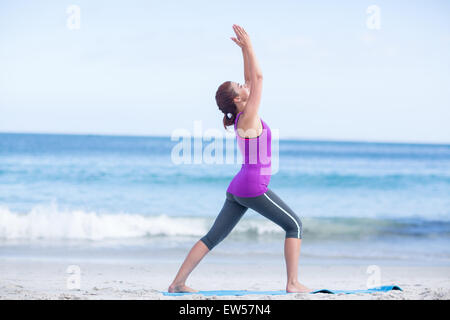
(333, 70)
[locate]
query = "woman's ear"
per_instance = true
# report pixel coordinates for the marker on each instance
(237, 99)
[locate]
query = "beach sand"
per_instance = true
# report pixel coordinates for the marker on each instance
(47, 279)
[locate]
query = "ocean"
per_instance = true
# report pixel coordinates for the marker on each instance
(117, 198)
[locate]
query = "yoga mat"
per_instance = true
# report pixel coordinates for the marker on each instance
(226, 293)
(371, 290)
(280, 292)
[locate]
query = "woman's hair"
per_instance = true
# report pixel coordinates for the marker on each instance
(224, 98)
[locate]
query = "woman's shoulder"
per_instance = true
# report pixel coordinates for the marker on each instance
(248, 118)
(245, 123)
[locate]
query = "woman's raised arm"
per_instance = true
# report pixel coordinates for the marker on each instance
(254, 74)
(246, 66)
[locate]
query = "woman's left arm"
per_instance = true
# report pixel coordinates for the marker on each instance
(246, 64)
(246, 68)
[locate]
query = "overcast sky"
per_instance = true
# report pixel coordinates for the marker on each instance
(151, 67)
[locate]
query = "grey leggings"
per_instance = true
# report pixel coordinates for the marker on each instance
(268, 204)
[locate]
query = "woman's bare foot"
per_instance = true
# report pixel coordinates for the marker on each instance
(180, 288)
(297, 287)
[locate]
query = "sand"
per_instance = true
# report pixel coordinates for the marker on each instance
(48, 279)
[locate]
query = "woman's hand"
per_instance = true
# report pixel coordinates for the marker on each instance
(242, 40)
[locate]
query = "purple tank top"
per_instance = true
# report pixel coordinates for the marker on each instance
(254, 177)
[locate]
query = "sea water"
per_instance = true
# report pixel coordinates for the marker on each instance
(124, 197)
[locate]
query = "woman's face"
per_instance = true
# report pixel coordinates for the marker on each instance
(242, 90)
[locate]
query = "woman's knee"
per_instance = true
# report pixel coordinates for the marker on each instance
(295, 228)
(212, 239)
(208, 242)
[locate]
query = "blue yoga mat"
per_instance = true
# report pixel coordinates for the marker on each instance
(371, 290)
(280, 292)
(226, 293)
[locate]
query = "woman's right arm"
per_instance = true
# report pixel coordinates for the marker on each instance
(256, 82)
(255, 74)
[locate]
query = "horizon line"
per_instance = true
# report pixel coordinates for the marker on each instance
(289, 138)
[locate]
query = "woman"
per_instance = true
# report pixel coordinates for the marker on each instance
(249, 188)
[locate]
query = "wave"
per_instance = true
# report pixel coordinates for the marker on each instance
(51, 223)
(48, 222)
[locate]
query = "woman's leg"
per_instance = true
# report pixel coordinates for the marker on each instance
(198, 251)
(227, 219)
(272, 207)
(291, 255)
